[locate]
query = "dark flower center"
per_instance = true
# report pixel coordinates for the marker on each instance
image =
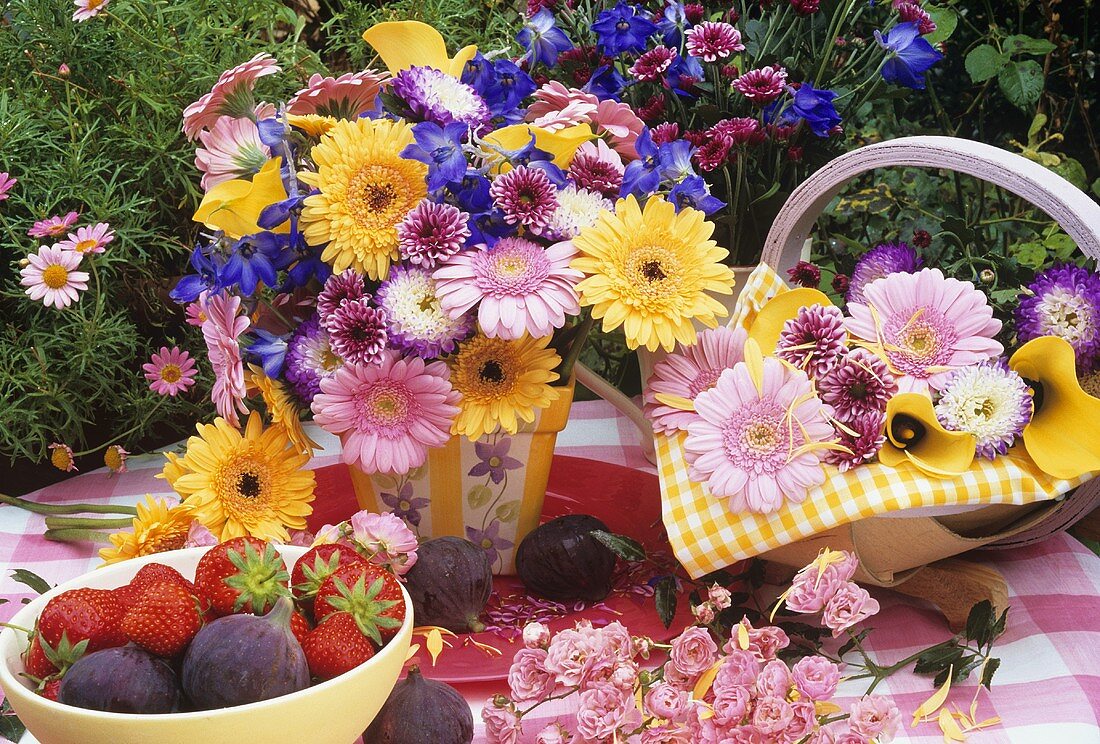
(858, 391)
(248, 485)
(378, 196)
(652, 271)
(491, 371)
(906, 431)
(623, 26)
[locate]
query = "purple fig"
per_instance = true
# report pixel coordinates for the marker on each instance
(422, 711)
(125, 679)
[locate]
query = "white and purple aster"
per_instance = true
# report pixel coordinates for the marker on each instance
(433, 95)
(358, 331)
(989, 401)
(1063, 301)
(857, 385)
(883, 259)
(431, 233)
(577, 209)
(863, 435)
(417, 322)
(814, 339)
(309, 359)
(347, 285)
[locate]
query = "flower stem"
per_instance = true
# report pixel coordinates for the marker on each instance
(87, 523)
(31, 506)
(76, 535)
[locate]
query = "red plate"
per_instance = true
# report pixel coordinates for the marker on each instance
(628, 501)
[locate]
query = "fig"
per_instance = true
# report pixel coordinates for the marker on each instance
(560, 560)
(450, 584)
(125, 679)
(241, 659)
(422, 711)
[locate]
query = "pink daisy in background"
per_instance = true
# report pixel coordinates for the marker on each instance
(53, 227)
(690, 372)
(575, 112)
(92, 239)
(431, 233)
(86, 9)
(51, 276)
(925, 325)
(519, 287)
(597, 167)
(618, 124)
(196, 316)
(170, 372)
(344, 97)
(753, 441)
(230, 96)
(526, 196)
(221, 329)
(6, 184)
(357, 331)
(762, 86)
(231, 149)
(713, 40)
(554, 97)
(388, 415)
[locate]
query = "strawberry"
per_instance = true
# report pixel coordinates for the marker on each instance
(336, 646)
(300, 626)
(241, 575)
(315, 565)
(51, 689)
(36, 662)
(164, 619)
(370, 594)
(151, 573)
(81, 621)
(127, 594)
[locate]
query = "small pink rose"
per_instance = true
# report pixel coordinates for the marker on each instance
(667, 702)
(198, 536)
(602, 711)
(850, 605)
(704, 613)
(745, 735)
(720, 596)
(528, 679)
(875, 717)
(738, 669)
(731, 705)
(772, 715)
(805, 718)
(536, 635)
(555, 733)
(816, 677)
(774, 680)
(693, 651)
(502, 726)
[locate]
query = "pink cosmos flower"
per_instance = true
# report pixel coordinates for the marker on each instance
(875, 717)
(653, 63)
(528, 679)
(344, 97)
(386, 538)
(86, 9)
(431, 233)
(747, 444)
(815, 677)
(597, 167)
(222, 328)
(170, 372)
(6, 184)
(51, 276)
(762, 86)
(850, 605)
(618, 124)
(693, 651)
(713, 41)
(689, 372)
(925, 325)
(502, 725)
(518, 286)
(231, 149)
(554, 97)
(230, 96)
(526, 196)
(92, 239)
(53, 227)
(388, 415)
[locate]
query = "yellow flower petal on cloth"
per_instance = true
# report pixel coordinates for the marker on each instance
(932, 704)
(768, 323)
(234, 206)
(405, 44)
(562, 144)
(1063, 437)
(914, 435)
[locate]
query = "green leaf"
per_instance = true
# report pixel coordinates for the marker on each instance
(625, 547)
(1061, 245)
(1031, 254)
(946, 19)
(1037, 125)
(508, 512)
(11, 728)
(664, 595)
(1072, 171)
(479, 496)
(33, 580)
(984, 62)
(1096, 187)
(1019, 44)
(937, 659)
(755, 30)
(978, 621)
(991, 668)
(1022, 83)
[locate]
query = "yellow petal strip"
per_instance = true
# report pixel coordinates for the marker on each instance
(742, 637)
(706, 679)
(413, 649)
(925, 710)
(434, 643)
(675, 401)
(949, 727)
(755, 362)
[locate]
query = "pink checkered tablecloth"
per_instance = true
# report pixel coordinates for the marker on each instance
(1047, 690)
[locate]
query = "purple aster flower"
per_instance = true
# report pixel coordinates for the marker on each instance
(489, 539)
(693, 192)
(417, 322)
(863, 434)
(526, 196)
(880, 261)
(494, 460)
(1063, 301)
(860, 383)
(814, 339)
(431, 233)
(357, 331)
(908, 55)
(404, 504)
(624, 28)
(440, 148)
(347, 285)
(542, 39)
(989, 401)
(433, 95)
(309, 359)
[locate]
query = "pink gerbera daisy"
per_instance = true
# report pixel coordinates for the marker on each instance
(526, 196)
(618, 123)
(687, 373)
(713, 41)
(521, 287)
(231, 149)
(230, 96)
(170, 372)
(388, 415)
(222, 328)
(344, 97)
(432, 232)
(762, 86)
(92, 239)
(925, 325)
(51, 276)
(53, 227)
(554, 97)
(6, 183)
(754, 440)
(86, 9)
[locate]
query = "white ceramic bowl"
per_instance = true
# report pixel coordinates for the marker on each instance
(336, 711)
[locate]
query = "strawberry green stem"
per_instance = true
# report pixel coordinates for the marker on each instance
(31, 506)
(20, 628)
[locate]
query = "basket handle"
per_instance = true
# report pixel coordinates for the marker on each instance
(1067, 205)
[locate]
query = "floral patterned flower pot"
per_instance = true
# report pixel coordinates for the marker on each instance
(489, 491)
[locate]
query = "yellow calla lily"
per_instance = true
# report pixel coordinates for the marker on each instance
(562, 144)
(914, 435)
(234, 206)
(405, 44)
(1063, 437)
(768, 323)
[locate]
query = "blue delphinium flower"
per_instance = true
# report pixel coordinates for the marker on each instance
(683, 73)
(693, 192)
(908, 55)
(269, 350)
(440, 148)
(207, 277)
(673, 22)
(307, 265)
(623, 28)
(815, 107)
(256, 258)
(512, 86)
(605, 83)
(641, 177)
(674, 161)
(542, 39)
(478, 73)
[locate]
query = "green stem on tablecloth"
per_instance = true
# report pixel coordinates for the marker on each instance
(63, 523)
(76, 535)
(31, 506)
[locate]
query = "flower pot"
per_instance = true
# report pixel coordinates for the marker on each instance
(489, 491)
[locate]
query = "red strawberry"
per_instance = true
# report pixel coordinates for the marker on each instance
(315, 565)
(164, 620)
(241, 575)
(51, 689)
(151, 573)
(370, 594)
(300, 626)
(336, 646)
(79, 615)
(127, 594)
(36, 663)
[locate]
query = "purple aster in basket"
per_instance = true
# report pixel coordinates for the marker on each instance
(404, 504)
(1063, 301)
(417, 322)
(357, 331)
(431, 233)
(494, 460)
(860, 383)
(988, 400)
(814, 339)
(880, 261)
(309, 359)
(863, 435)
(433, 95)
(347, 285)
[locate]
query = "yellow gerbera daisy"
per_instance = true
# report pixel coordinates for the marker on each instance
(366, 189)
(649, 271)
(157, 527)
(501, 382)
(249, 483)
(313, 125)
(174, 467)
(281, 408)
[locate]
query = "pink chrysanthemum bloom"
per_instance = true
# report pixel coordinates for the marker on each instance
(526, 196)
(863, 435)
(6, 183)
(86, 9)
(230, 96)
(713, 40)
(53, 227)
(92, 239)
(554, 97)
(619, 125)
(357, 331)
(596, 167)
(741, 130)
(431, 233)
(859, 383)
(689, 372)
(344, 97)
(231, 149)
(665, 132)
(519, 287)
(653, 64)
(814, 339)
(914, 13)
(753, 442)
(51, 276)
(925, 325)
(762, 86)
(806, 7)
(223, 326)
(170, 372)
(388, 415)
(347, 285)
(714, 152)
